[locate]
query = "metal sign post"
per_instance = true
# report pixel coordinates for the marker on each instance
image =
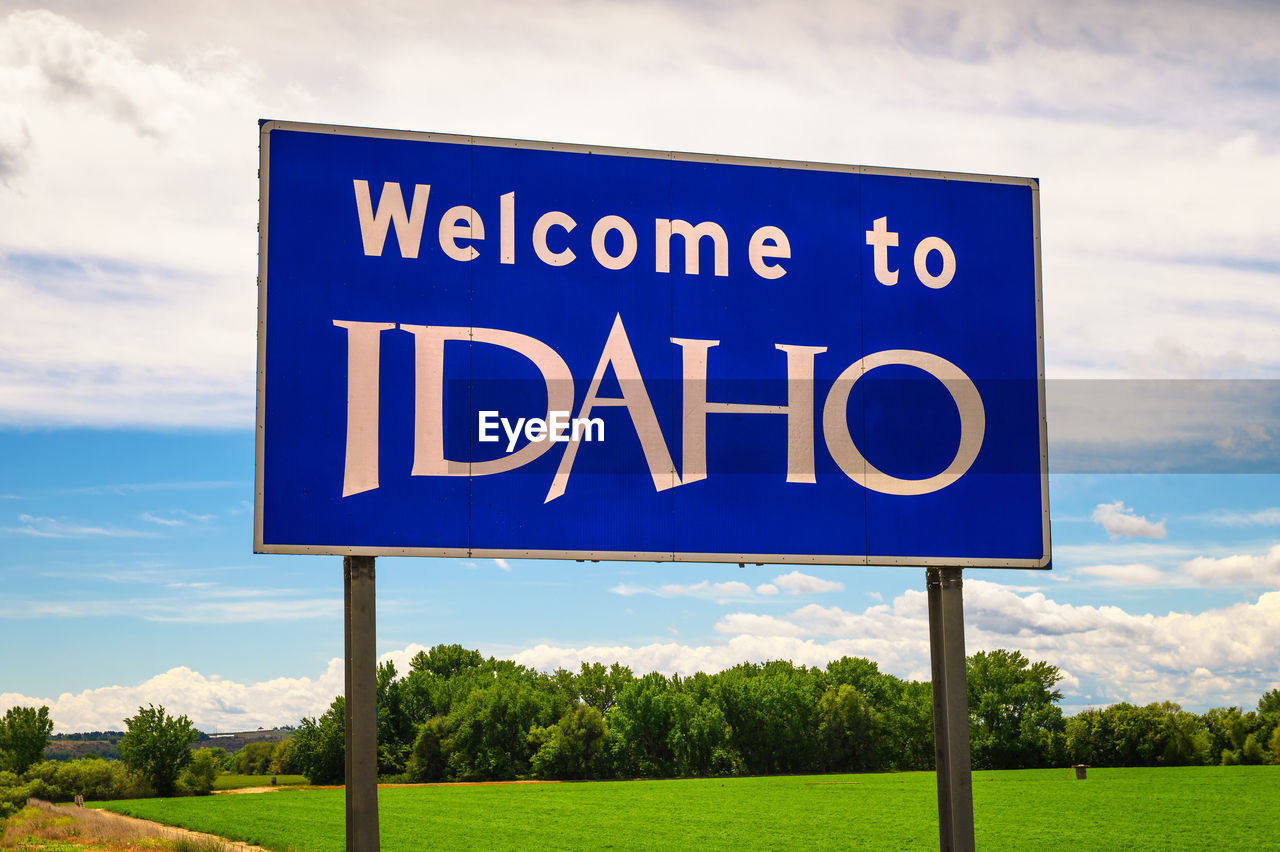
(950, 709)
(361, 704)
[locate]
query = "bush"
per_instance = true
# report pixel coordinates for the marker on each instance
(1230, 758)
(320, 746)
(427, 760)
(255, 758)
(1251, 752)
(14, 798)
(92, 777)
(198, 776)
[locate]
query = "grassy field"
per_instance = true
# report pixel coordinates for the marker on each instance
(1179, 808)
(232, 781)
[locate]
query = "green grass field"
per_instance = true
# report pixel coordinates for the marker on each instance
(231, 781)
(1178, 808)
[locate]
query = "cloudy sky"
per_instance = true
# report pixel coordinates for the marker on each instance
(128, 197)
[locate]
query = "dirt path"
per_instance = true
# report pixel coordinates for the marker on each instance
(108, 825)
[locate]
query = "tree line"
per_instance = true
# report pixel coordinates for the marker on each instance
(458, 716)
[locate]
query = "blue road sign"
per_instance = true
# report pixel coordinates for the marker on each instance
(491, 347)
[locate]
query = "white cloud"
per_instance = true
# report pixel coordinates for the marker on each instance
(793, 583)
(1133, 574)
(1105, 652)
(1218, 657)
(796, 583)
(1119, 520)
(757, 625)
(1262, 569)
(150, 109)
(1263, 517)
(678, 590)
(503, 564)
(212, 703)
(209, 605)
(152, 518)
(120, 264)
(44, 527)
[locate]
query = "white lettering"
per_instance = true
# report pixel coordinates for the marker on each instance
(373, 226)
(880, 238)
(364, 348)
(799, 409)
(623, 258)
(768, 242)
(535, 429)
(835, 425)
(943, 278)
(635, 398)
(545, 223)
(487, 423)
(557, 423)
(513, 433)
(587, 425)
(451, 232)
(507, 228)
(428, 434)
(664, 229)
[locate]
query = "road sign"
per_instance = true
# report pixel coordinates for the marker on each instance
(490, 347)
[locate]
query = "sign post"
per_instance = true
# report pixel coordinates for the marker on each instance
(361, 703)
(500, 348)
(950, 709)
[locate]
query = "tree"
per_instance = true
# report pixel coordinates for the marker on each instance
(156, 746)
(599, 686)
(847, 729)
(395, 729)
(427, 761)
(198, 776)
(1016, 723)
(320, 746)
(571, 748)
(489, 729)
(1251, 752)
(283, 759)
(255, 758)
(24, 732)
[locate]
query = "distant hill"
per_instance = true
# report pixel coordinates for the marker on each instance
(106, 744)
(236, 741)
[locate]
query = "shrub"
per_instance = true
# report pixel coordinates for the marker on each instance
(92, 777)
(427, 760)
(198, 776)
(1251, 752)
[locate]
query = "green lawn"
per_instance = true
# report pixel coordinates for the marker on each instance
(231, 781)
(1179, 808)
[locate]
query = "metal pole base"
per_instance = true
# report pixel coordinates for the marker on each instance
(361, 704)
(950, 709)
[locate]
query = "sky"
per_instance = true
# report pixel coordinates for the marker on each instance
(128, 258)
